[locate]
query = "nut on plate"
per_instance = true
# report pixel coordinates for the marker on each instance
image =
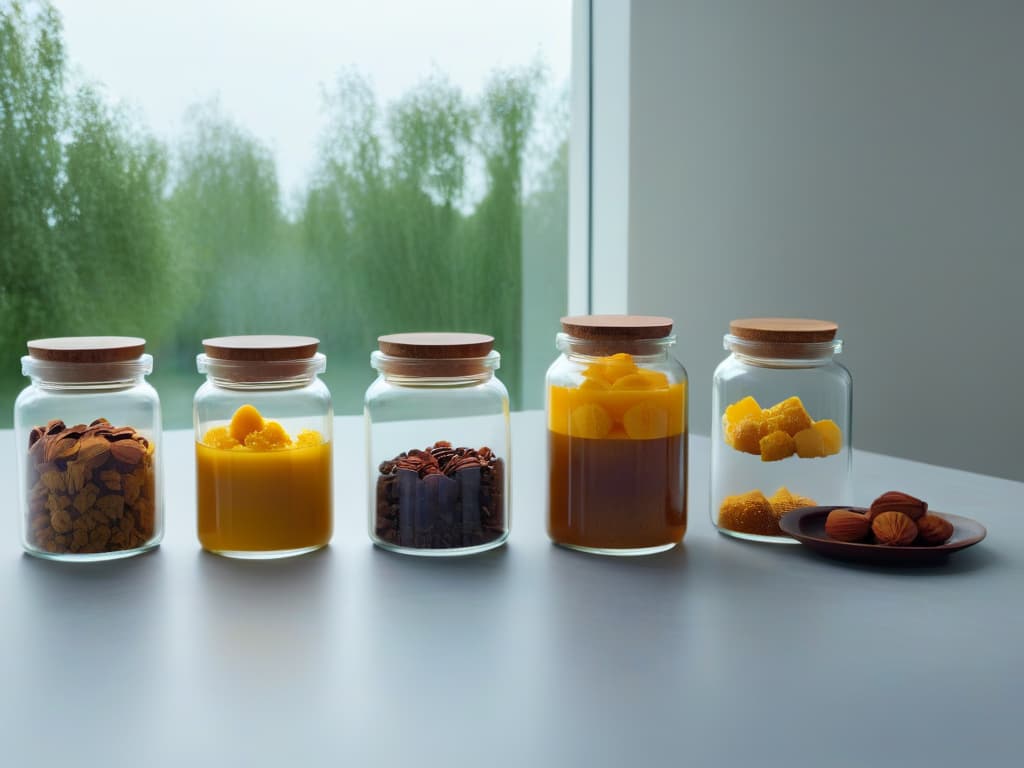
(934, 530)
(894, 529)
(847, 525)
(897, 501)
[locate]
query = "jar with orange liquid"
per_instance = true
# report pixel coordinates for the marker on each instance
(617, 438)
(263, 423)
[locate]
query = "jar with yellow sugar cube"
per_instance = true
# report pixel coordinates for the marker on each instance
(780, 427)
(617, 438)
(263, 424)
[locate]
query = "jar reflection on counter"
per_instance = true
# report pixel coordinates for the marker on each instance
(617, 437)
(780, 433)
(263, 424)
(437, 431)
(88, 431)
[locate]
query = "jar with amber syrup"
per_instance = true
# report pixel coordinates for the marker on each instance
(437, 444)
(88, 446)
(780, 426)
(617, 437)
(263, 427)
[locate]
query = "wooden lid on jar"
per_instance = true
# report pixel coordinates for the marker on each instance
(87, 349)
(617, 327)
(261, 348)
(433, 354)
(790, 330)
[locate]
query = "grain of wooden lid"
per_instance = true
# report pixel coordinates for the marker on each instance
(87, 349)
(612, 327)
(792, 330)
(261, 348)
(436, 346)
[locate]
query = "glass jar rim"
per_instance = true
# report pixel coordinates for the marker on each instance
(433, 367)
(86, 373)
(569, 344)
(261, 371)
(788, 351)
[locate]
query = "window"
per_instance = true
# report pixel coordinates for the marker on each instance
(333, 169)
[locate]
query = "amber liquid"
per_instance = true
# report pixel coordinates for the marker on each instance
(616, 494)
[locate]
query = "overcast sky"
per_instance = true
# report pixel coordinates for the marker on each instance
(267, 60)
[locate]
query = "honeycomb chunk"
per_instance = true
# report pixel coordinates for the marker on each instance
(645, 421)
(590, 421)
(776, 446)
(746, 436)
(783, 501)
(271, 437)
(748, 513)
(809, 443)
(245, 421)
(220, 437)
(747, 408)
(789, 416)
(832, 436)
(308, 438)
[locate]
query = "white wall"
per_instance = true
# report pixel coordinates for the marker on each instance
(855, 161)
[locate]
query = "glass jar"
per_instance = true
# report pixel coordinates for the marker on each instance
(263, 431)
(437, 445)
(780, 427)
(88, 436)
(617, 436)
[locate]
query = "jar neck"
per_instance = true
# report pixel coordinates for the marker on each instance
(103, 376)
(406, 380)
(87, 386)
(261, 374)
(775, 354)
(585, 350)
(435, 372)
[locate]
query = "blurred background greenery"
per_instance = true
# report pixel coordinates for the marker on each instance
(424, 213)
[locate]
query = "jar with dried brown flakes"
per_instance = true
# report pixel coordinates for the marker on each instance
(88, 447)
(437, 423)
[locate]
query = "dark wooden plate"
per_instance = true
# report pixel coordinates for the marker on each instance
(807, 525)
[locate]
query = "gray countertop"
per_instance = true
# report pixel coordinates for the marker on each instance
(719, 652)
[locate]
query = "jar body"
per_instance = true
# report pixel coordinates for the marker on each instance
(757, 472)
(86, 496)
(617, 447)
(456, 500)
(259, 501)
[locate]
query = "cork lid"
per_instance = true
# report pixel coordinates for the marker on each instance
(87, 349)
(433, 354)
(261, 348)
(791, 330)
(617, 327)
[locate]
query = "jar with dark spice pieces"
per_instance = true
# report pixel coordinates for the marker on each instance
(88, 433)
(438, 443)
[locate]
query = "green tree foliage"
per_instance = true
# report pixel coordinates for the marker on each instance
(413, 220)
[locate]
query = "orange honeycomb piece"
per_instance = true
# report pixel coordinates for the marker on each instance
(789, 416)
(308, 438)
(831, 435)
(645, 421)
(589, 421)
(220, 437)
(746, 436)
(245, 421)
(809, 443)
(747, 408)
(748, 513)
(776, 445)
(270, 438)
(783, 501)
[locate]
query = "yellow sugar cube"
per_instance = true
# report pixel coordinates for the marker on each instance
(747, 408)
(789, 416)
(748, 513)
(809, 443)
(746, 436)
(832, 436)
(776, 446)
